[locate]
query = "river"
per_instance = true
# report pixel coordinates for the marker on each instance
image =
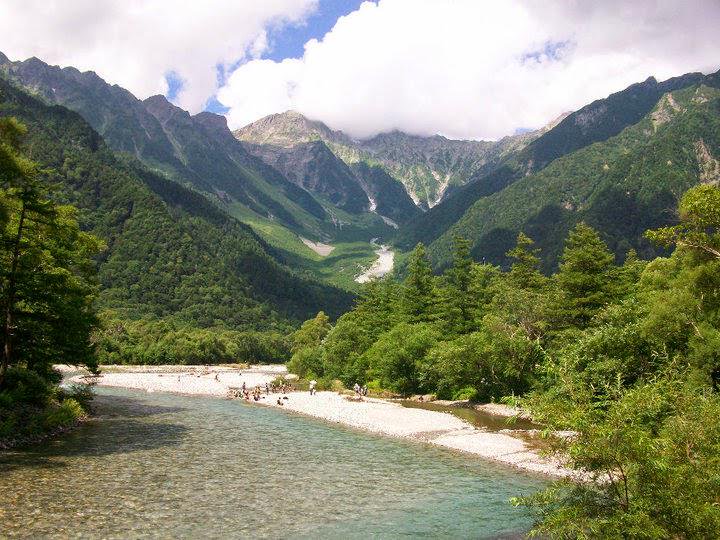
(164, 465)
(382, 266)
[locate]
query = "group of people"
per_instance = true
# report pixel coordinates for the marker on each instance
(360, 390)
(269, 388)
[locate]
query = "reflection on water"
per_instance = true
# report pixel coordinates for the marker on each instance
(160, 465)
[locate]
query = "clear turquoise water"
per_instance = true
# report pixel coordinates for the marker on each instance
(160, 465)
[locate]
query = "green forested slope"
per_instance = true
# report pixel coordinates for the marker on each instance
(197, 151)
(596, 122)
(170, 251)
(621, 186)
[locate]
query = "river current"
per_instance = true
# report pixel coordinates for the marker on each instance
(162, 465)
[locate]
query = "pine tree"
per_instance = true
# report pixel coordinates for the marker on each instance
(525, 270)
(458, 301)
(417, 299)
(585, 277)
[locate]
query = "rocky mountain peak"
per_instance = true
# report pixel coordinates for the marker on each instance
(163, 110)
(287, 129)
(211, 121)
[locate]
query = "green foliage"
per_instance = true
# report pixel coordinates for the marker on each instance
(393, 358)
(699, 225)
(31, 406)
(585, 278)
(171, 252)
(311, 333)
(640, 389)
(621, 186)
(525, 269)
(306, 360)
(417, 290)
(157, 342)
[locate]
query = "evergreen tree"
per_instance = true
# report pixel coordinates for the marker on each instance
(46, 269)
(525, 270)
(458, 301)
(418, 287)
(585, 277)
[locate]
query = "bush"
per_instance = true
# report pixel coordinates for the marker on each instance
(306, 363)
(81, 393)
(468, 393)
(24, 387)
(66, 414)
(395, 356)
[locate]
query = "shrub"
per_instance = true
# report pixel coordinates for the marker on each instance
(24, 387)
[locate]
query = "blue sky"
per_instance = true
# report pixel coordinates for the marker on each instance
(289, 41)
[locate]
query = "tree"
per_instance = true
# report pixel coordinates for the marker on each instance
(394, 357)
(699, 226)
(457, 300)
(585, 277)
(521, 297)
(418, 287)
(46, 269)
(525, 269)
(311, 333)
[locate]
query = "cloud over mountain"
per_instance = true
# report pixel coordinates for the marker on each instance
(473, 69)
(136, 43)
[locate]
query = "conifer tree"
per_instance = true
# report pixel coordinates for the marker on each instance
(457, 298)
(585, 277)
(46, 268)
(525, 270)
(418, 287)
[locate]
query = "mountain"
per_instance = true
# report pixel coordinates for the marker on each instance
(622, 185)
(199, 152)
(429, 168)
(170, 253)
(312, 166)
(593, 123)
(195, 150)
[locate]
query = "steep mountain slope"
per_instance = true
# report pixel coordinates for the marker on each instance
(197, 151)
(595, 122)
(166, 138)
(621, 186)
(428, 167)
(311, 165)
(171, 253)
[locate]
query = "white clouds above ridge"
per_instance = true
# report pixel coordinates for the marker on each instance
(471, 69)
(135, 43)
(463, 68)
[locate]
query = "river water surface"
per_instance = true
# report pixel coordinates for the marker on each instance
(162, 465)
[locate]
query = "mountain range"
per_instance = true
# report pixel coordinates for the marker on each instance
(284, 182)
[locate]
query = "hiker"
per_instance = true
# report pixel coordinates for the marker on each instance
(364, 390)
(356, 387)
(313, 383)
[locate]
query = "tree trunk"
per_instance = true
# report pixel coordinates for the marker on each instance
(8, 330)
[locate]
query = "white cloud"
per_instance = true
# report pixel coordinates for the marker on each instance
(134, 43)
(472, 69)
